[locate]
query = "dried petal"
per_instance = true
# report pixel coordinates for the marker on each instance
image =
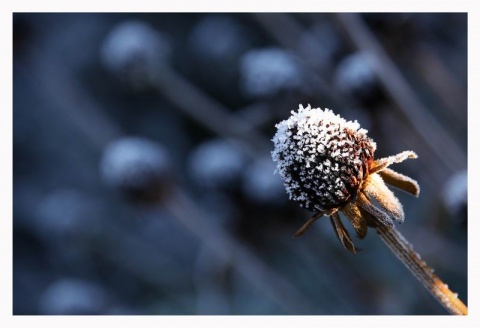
(342, 233)
(382, 163)
(370, 220)
(376, 188)
(307, 224)
(379, 215)
(400, 181)
(354, 214)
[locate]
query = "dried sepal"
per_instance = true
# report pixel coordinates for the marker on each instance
(354, 215)
(342, 233)
(400, 181)
(376, 188)
(307, 224)
(370, 220)
(379, 215)
(382, 163)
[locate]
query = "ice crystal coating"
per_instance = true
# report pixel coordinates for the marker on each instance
(322, 158)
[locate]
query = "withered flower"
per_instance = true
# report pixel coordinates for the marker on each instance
(327, 165)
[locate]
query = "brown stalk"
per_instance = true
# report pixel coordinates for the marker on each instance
(412, 260)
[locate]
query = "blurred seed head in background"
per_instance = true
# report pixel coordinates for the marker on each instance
(136, 166)
(217, 165)
(133, 50)
(267, 72)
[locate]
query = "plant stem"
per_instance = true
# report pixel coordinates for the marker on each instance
(412, 260)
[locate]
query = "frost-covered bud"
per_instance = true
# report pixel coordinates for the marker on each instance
(322, 158)
(133, 50)
(135, 165)
(217, 164)
(265, 72)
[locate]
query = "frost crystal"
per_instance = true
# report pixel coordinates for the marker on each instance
(322, 158)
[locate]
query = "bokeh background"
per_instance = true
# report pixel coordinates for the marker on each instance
(143, 182)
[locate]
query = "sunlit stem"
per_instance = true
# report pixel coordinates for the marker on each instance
(412, 260)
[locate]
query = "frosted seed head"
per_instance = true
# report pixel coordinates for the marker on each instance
(322, 158)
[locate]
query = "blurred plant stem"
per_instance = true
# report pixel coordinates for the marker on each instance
(412, 260)
(207, 111)
(253, 268)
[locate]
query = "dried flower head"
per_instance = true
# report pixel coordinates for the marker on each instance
(327, 165)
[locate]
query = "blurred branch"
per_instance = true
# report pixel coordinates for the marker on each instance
(71, 97)
(207, 111)
(277, 288)
(445, 86)
(426, 125)
(257, 114)
(326, 267)
(131, 252)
